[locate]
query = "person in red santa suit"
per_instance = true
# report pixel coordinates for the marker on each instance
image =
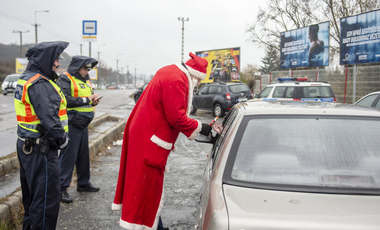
(161, 113)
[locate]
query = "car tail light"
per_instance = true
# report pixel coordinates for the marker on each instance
(294, 99)
(334, 99)
(228, 97)
(252, 94)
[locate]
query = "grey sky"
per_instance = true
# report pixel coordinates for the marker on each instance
(146, 32)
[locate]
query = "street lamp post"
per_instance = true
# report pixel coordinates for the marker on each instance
(135, 75)
(35, 21)
(117, 69)
(99, 64)
(183, 34)
(128, 71)
(19, 31)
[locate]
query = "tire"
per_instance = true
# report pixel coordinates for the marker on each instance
(193, 110)
(218, 110)
(5, 94)
(136, 98)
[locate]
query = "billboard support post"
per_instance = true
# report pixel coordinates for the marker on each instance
(317, 75)
(354, 85)
(89, 47)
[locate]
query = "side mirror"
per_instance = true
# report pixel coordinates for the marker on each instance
(203, 139)
(257, 95)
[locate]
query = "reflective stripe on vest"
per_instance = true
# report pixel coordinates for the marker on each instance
(80, 89)
(26, 116)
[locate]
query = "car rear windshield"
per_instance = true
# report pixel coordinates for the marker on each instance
(316, 92)
(304, 153)
(238, 88)
(12, 78)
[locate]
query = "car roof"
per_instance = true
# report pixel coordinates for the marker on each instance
(304, 108)
(297, 83)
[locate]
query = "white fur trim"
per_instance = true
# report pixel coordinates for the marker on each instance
(166, 169)
(195, 133)
(116, 206)
(174, 149)
(190, 97)
(161, 143)
(130, 226)
(196, 73)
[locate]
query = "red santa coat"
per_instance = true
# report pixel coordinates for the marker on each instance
(150, 133)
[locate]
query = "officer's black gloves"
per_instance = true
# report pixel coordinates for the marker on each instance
(206, 129)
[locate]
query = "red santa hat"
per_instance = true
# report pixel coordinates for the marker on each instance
(197, 66)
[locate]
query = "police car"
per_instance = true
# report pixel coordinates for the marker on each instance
(297, 89)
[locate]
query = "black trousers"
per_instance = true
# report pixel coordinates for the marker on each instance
(39, 176)
(75, 153)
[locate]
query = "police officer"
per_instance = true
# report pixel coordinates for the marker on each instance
(77, 88)
(42, 126)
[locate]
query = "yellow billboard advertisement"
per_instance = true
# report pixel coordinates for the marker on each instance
(21, 64)
(223, 64)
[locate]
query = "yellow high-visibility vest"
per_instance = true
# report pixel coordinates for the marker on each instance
(80, 89)
(26, 116)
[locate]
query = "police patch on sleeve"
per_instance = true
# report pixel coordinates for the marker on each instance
(18, 92)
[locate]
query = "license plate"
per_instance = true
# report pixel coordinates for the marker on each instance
(241, 99)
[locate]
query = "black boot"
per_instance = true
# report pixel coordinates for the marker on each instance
(65, 197)
(87, 188)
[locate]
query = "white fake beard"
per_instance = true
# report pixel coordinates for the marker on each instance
(194, 81)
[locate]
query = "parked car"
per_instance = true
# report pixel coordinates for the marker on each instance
(297, 89)
(370, 100)
(139, 91)
(219, 98)
(293, 165)
(9, 84)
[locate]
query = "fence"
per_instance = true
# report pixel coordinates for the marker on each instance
(348, 84)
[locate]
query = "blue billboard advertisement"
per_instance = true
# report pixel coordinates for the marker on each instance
(360, 38)
(305, 47)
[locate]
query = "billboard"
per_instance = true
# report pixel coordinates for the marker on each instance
(21, 64)
(305, 47)
(360, 38)
(223, 64)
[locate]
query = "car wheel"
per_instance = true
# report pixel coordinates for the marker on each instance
(193, 110)
(5, 94)
(136, 98)
(218, 110)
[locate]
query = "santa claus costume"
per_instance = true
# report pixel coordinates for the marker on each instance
(161, 113)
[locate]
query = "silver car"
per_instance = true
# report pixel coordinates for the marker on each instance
(294, 165)
(9, 84)
(370, 100)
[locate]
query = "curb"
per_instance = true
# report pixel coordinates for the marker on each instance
(11, 208)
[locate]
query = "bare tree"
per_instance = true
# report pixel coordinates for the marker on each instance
(103, 72)
(249, 72)
(283, 15)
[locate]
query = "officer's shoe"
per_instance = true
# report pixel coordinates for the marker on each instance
(65, 197)
(87, 188)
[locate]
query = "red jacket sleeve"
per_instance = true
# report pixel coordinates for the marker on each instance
(175, 101)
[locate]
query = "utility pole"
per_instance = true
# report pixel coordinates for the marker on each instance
(19, 31)
(35, 22)
(183, 35)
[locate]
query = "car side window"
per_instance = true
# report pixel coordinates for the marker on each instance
(203, 90)
(212, 89)
(377, 106)
(265, 93)
(279, 92)
(367, 102)
(228, 120)
(289, 92)
(220, 89)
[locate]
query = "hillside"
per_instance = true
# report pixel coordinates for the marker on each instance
(9, 53)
